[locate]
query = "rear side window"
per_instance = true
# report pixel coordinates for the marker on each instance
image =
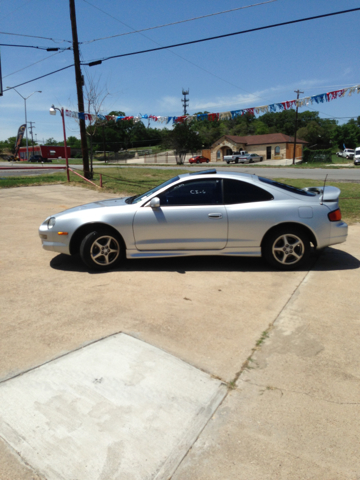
(236, 191)
(284, 186)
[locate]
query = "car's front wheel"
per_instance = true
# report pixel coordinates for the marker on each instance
(101, 250)
(286, 248)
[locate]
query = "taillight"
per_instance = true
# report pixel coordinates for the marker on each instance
(335, 215)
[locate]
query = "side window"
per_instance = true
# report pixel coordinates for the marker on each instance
(195, 192)
(236, 191)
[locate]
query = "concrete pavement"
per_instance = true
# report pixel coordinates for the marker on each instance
(293, 411)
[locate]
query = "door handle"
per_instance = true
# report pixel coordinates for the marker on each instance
(215, 215)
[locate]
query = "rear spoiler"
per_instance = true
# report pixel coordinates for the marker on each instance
(328, 194)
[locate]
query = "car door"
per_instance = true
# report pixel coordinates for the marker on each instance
(191, 216)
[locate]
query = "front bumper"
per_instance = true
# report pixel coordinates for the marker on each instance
(52, 241)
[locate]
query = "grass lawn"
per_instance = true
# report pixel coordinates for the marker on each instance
(132, 181)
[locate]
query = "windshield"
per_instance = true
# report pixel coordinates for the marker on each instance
(284, 186)
(138, 198)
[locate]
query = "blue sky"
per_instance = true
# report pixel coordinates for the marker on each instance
(242, 71)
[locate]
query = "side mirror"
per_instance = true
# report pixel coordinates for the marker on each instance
(155, 202)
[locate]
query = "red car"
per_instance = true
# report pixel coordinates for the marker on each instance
(198, 159)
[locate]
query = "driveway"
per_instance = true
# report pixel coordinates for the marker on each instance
(208, 312)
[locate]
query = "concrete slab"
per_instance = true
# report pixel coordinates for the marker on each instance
(118, 408)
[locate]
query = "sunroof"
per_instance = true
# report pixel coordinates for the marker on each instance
(204, 172)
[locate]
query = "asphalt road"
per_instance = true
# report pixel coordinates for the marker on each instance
(338, 175)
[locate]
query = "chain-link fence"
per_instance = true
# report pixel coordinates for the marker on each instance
(317, 156)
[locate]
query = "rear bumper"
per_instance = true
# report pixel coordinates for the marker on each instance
(338, 234)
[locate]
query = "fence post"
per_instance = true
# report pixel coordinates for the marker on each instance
(101, 184)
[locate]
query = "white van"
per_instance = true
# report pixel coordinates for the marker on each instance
(357, 156)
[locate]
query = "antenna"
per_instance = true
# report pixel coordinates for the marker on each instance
(322, 198)
(185, 101)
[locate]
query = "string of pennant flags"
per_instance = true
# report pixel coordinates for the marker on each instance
(275, 107)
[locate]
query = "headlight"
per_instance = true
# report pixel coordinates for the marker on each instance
(51, 222)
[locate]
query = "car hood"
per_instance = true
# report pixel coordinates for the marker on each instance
(116, 202)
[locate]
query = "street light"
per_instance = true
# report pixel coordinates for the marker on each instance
(25, 98)
(53, 112)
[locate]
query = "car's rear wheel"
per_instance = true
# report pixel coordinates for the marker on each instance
(101, 250)
(207, 161)
(287, 248)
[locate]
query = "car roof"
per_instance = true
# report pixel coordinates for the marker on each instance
(222, 173)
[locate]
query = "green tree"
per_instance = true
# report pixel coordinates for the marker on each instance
(182, 139)
(51, 141)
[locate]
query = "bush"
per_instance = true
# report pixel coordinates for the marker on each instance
(317, 156)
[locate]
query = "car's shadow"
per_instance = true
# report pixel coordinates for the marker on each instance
(329, 259)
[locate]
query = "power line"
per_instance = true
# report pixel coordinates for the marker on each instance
(167, 24)
(291, 22)
(34, 36)
(39, 61)
(48, 49)
(192, 42)
(173, 53)
(38, 78)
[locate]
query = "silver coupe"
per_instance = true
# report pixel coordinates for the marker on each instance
(204, 213)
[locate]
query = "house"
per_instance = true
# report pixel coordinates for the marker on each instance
(272, 146)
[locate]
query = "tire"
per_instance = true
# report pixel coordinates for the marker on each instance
(286, 248)
(228, 162)
(237, 160)
(197, 161)
(101, 250)
(207, 161)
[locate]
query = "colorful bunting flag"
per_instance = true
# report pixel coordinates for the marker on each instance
(321, 98)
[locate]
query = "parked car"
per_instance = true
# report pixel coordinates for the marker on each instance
(243, 157)
(39, 158)
(347, 153)
(357, 156)
(254, 157)
(202, 213)
(199, 159)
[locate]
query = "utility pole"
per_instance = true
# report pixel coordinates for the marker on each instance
(32, 137)
(185, 101)
(296, 122)
(79, 88)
